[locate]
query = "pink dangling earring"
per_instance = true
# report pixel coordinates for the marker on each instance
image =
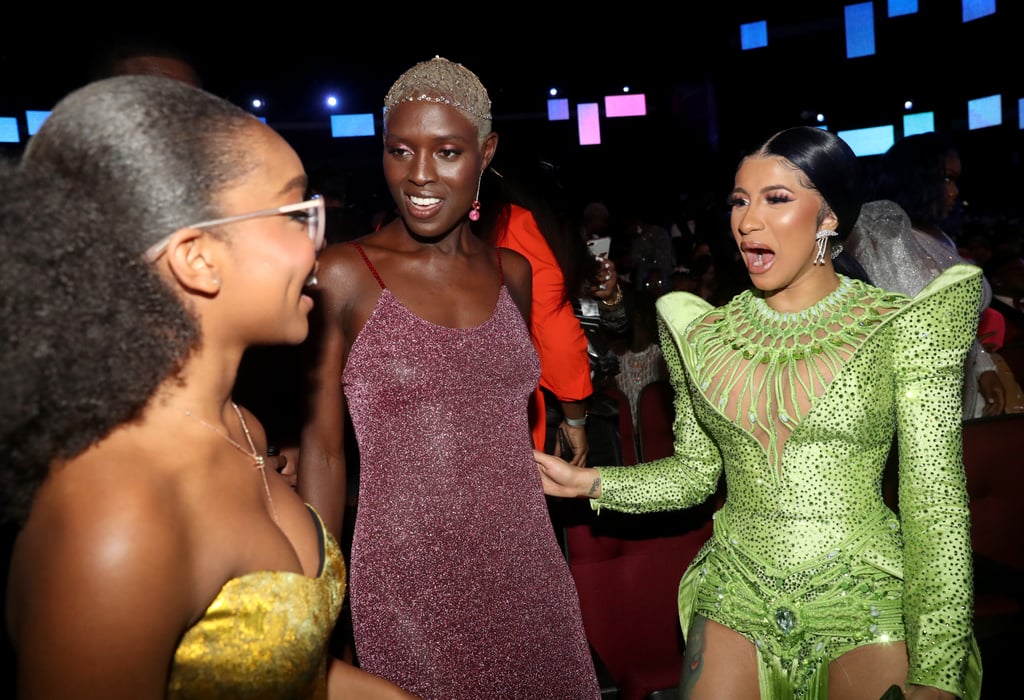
(474, 213)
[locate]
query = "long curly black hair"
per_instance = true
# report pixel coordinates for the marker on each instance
(91, 328)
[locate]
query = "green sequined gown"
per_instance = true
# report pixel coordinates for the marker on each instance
(800, 410)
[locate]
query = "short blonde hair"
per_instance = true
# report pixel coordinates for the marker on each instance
(446, 82)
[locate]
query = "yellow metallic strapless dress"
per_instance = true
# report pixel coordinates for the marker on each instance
(265, 635)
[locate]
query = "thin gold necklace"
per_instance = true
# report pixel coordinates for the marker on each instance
(258, 460)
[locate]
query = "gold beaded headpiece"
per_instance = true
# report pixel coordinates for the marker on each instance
(443, 81)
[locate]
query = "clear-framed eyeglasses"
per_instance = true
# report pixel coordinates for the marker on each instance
(311, 212)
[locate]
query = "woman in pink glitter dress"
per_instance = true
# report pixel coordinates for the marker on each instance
(458, 586)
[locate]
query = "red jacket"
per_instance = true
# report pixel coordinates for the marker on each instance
(556, 332)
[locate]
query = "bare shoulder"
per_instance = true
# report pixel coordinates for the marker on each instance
(100, 545)
(337, 265)
(87, 509)
(345, 280)
(518, 275)
(516, 267)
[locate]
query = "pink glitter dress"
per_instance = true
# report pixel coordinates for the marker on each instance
(458, 587)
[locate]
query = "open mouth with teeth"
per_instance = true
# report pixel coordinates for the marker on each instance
(419, 207)
(758, 258)
(424, 201)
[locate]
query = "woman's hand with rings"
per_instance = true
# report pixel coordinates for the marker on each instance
(607, 279)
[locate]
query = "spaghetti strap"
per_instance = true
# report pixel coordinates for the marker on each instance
(374, 270)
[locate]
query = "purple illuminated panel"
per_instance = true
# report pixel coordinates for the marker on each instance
(589, 120)
(558, 110)
(625, 105)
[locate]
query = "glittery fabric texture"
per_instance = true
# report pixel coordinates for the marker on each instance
(800, 410)
(445, 82)
(459, 589)
(264, 637)
(637, 370)
(899, 258)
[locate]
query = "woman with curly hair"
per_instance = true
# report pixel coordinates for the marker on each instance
(152, 233)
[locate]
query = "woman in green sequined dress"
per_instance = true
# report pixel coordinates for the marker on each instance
(811, 587)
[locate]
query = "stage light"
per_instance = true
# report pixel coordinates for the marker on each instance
(869, 141)
(558, 110)
(588, 118)
(898, 8)
(332, 102)
(9, 130)
(975, 9)
(34, 119)
(754, 35)
(918, 123)
(984, 112)
(625, 105)
(346, 125)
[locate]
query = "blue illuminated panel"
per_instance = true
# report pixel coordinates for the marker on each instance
(346, 125)
(975, 9)
(984, 112)
(860, 30)
(754, 35)
(869, 141)
(9, 130)
(918, 123)
(898, 8)
(34, 119)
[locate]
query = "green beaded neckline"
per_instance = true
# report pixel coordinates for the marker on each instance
(838, 300)
(765, 369)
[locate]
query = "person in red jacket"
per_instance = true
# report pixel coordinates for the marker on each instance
(531, 221)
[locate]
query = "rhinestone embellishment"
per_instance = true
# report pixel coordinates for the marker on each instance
(785, 619)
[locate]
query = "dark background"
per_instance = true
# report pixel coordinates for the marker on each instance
(707, 100)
